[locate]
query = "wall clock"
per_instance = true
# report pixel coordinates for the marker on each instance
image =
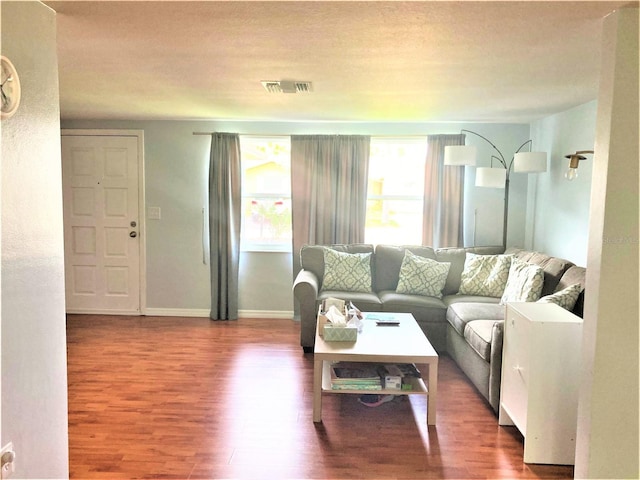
(9, 88)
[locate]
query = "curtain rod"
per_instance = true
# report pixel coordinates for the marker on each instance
(249, 134)
(417, 135)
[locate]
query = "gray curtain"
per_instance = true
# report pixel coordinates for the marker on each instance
(443, 195)
(328, 190)
(224, 224)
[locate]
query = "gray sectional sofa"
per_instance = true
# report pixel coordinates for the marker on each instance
(469, 328)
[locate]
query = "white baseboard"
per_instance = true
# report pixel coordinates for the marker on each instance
(132, 313)
(278, 314)
(195, 312)
(177, 312)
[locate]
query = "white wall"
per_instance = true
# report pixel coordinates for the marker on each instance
(176, 165)
(34, 376)
(607, 444)
(558, 210)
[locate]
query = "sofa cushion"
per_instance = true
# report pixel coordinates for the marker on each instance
(524, 283)
(388, 261)
(460, 314)
(456, 257)
(485, 275)
(451, 299)
(424, 309)
(553, 267)
(478, 335)
(312, 256)
(349, 272)
(565, 298)
(422, 276)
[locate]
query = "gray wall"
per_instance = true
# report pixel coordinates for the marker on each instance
(176, 164)
(34, 374)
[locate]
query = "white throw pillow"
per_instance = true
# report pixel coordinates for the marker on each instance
(524, 283)
(348, 272)
(422, 276)
(566, 297)
(485, 275)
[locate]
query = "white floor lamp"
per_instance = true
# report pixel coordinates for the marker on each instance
(497, 177)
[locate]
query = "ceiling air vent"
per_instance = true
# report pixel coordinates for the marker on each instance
(286, 86)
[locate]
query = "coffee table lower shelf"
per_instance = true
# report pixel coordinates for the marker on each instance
(418, 386)
(404, 343)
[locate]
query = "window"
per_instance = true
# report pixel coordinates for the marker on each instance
(266, 193)
(395, 191)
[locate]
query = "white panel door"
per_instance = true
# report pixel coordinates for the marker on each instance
(101, 224)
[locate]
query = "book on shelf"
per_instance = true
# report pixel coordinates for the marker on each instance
(371, 376)
(356, 387)
(354, 370)
(355, 376)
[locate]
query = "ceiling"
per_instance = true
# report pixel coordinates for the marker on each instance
(367, 61)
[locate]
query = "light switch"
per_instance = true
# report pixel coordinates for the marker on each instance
(153, 213)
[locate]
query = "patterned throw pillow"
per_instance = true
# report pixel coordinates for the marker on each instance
(485, 275)
(422, 276)
(566, 298)
(524, 283)
(349, 272)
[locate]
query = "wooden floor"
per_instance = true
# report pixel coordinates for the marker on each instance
(189, 398)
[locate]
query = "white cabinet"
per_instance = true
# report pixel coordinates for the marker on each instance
(541, 378)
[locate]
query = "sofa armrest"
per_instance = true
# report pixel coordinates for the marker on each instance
(306, 279)
(305, 291)
(495, 365)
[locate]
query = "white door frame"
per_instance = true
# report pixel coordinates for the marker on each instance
(142, 244)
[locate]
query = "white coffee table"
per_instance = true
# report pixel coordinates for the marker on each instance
(405, 343)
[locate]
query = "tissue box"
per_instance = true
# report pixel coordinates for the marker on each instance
(339, 334)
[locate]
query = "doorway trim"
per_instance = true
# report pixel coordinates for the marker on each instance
(142, 244)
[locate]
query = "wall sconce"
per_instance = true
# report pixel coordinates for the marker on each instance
(574, 160)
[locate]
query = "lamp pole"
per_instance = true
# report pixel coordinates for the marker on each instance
(506, 211)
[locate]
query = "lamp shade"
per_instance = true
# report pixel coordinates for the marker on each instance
(460, 155)
(491, 177)
(530, 162)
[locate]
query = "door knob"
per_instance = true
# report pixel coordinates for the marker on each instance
(133, 234)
